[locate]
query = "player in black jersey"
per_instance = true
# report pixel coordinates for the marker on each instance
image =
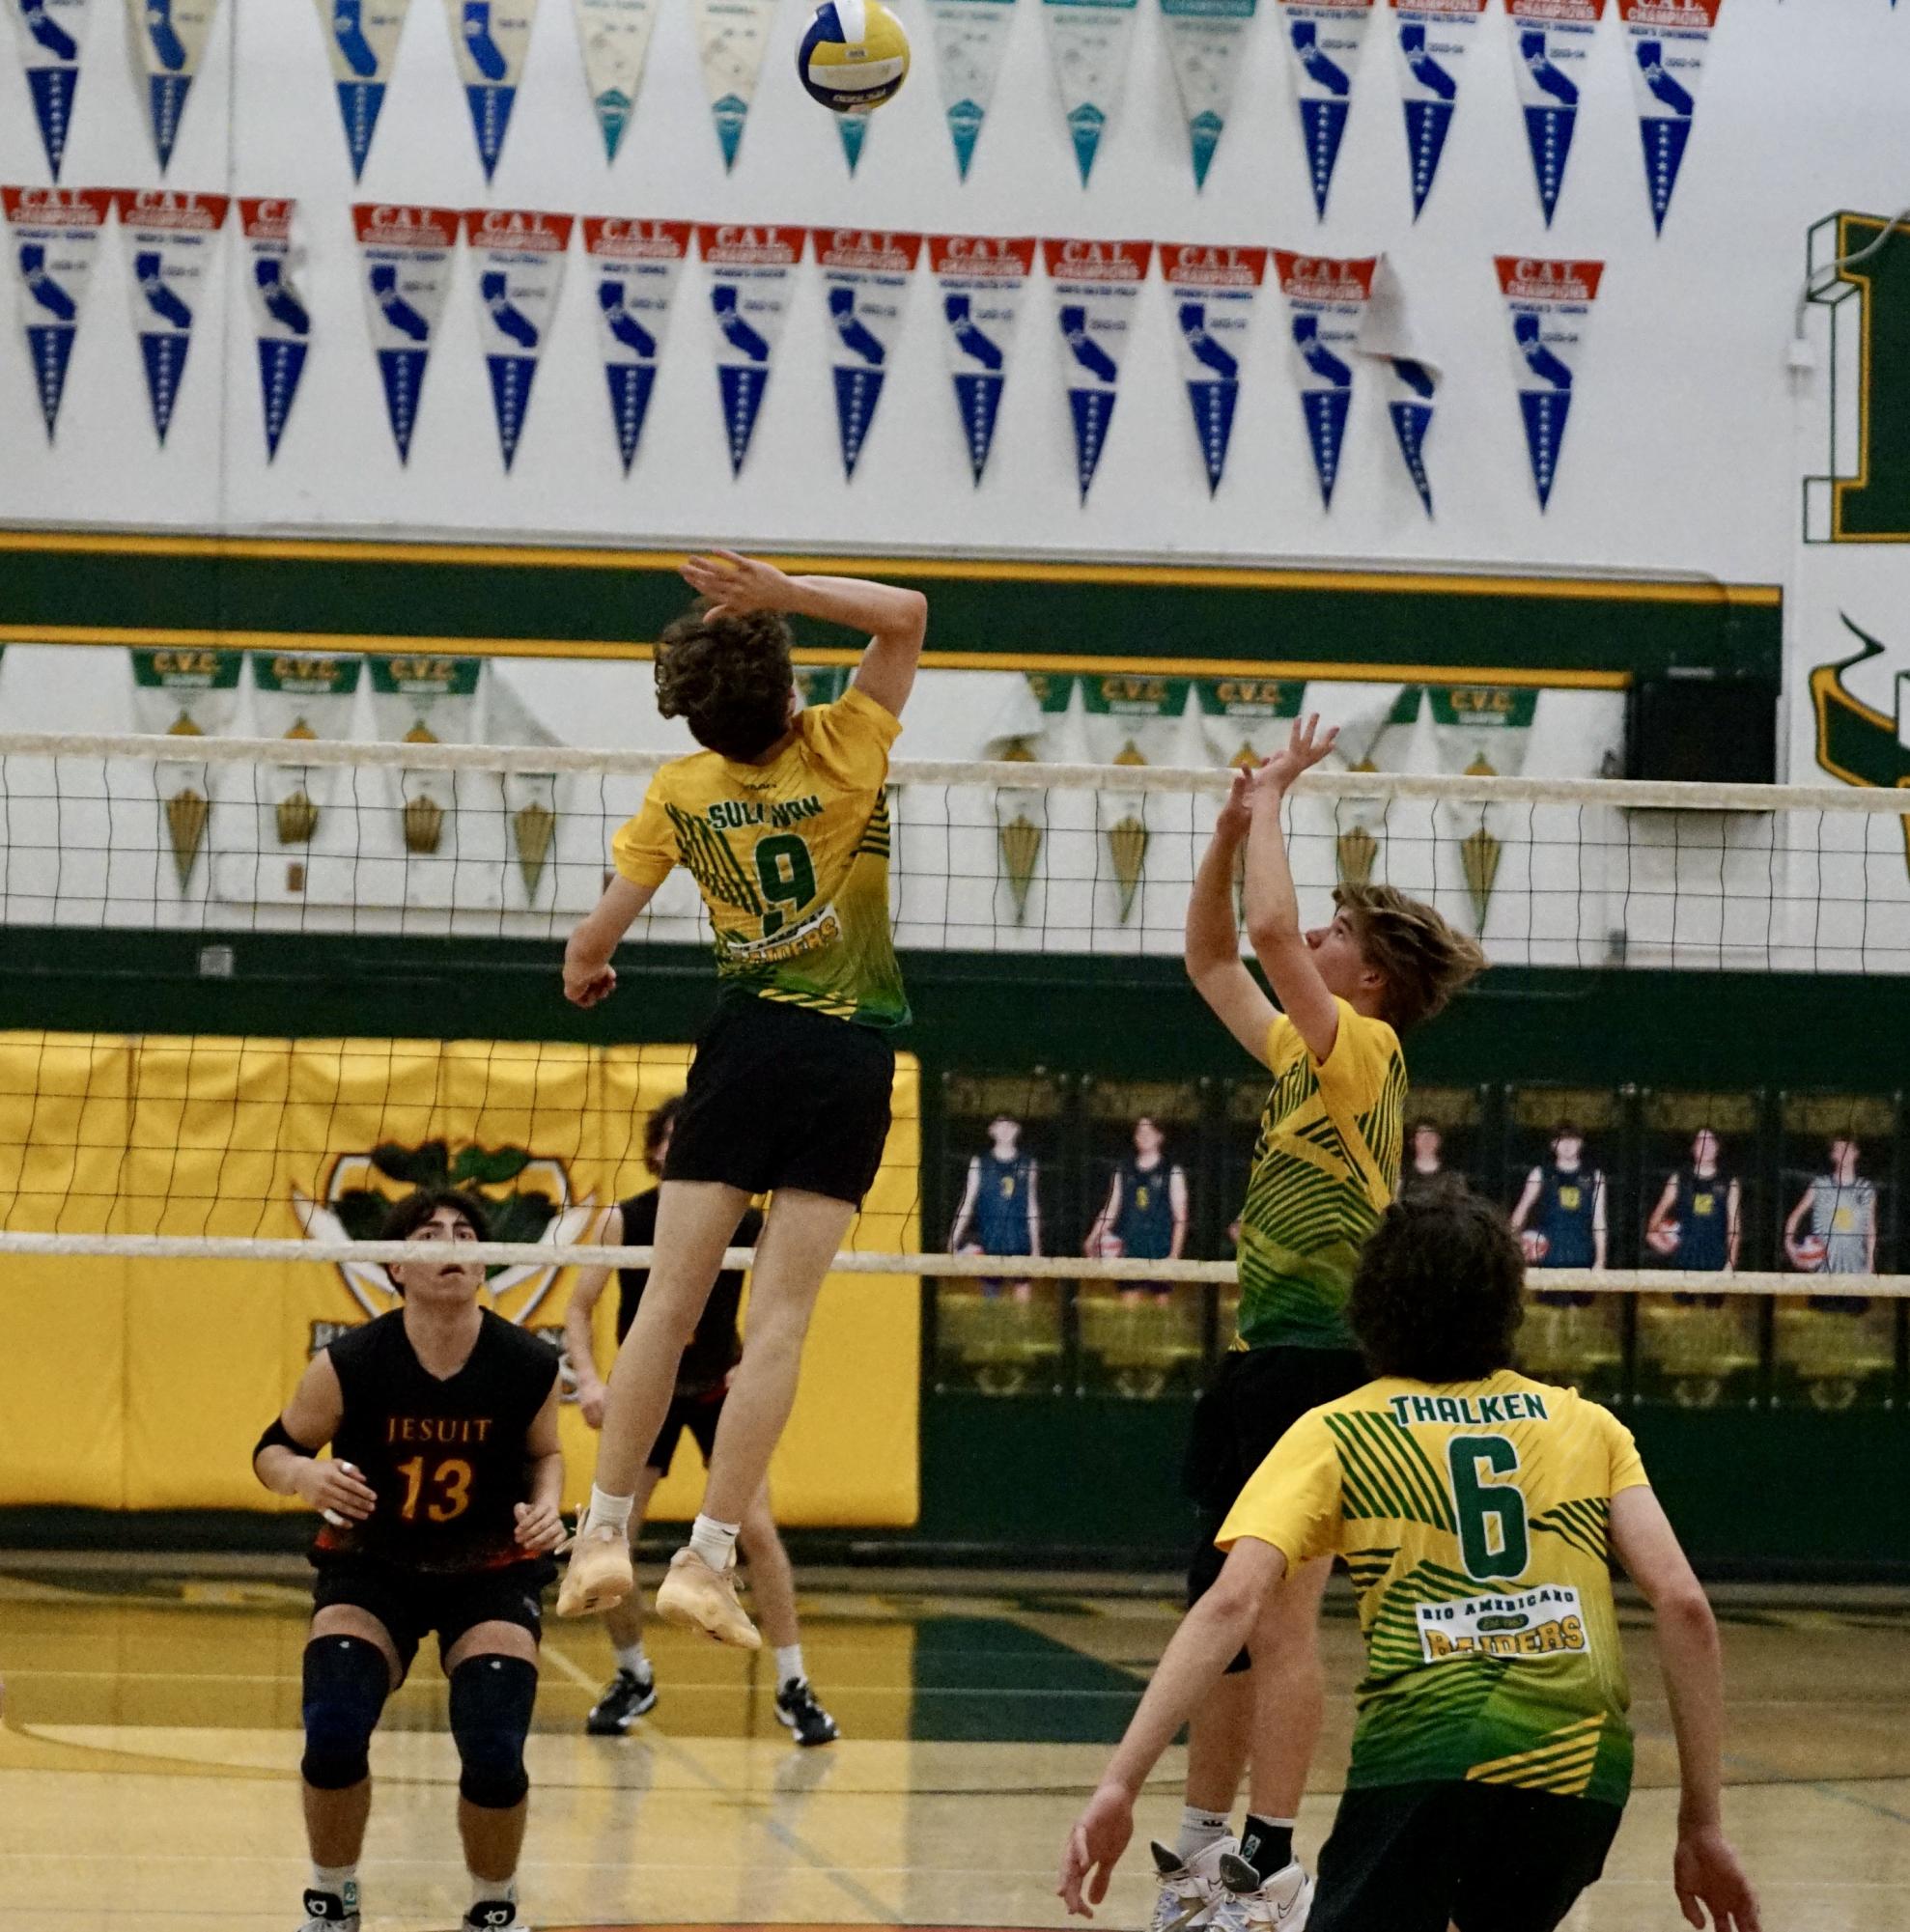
(439, 1500)
(702, 1382)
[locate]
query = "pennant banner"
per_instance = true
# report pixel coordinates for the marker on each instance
(1667, 40)
(361, 42)
(51, 33)
(635, 265)
(854, 130)
(730, 37)
(520, 270)
(1207, 41)
(1550, 303)
(186, 694)
(280, 318)
(1434, 37)
(865, 279)
(979, 280)
(169, 239)
(749, 300)
(1095, 285)
(168, 44)
(1326, 303)
(1213, 291)
(1552, 46)
(1412, 393)
(490, 39)
(53, 235)
(1324, 38)
(970, 36)
(425, 700)
(406, 256)
(303, 695)
(616, 37)
(1089, 40)
(1253, 711)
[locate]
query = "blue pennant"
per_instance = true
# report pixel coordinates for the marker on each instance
(1093, 410)
(404, 372)
(1323, 123)
(1203, 132)
(1664, 141)
(854, 130)
(1084, 124)
(856, 394)
(964, 125)
(491, 116)
(1213, 422)
(630, 384)
(1411, 422)
(1325, 430)
(613, 112)
(1427, 123)
(168, 96)
(1545, 411)
(280, 366)
(358, 106)
(510, 396)
(165, 364)
(53, 89)
(1549, 131)
(730, 113)
(742, 389)
(51, 348)
(978, 397)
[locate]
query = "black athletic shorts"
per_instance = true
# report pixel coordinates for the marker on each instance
(410, 1603)
(781, 1097)
(1485, 1858)
(698, 1415)
(1256, 1397)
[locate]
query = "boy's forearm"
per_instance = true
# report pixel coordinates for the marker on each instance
(1689, 1655)
(1212, 937)
(278, 1469)
(580, 1347)
(546, 1479)
(1194, 1661)
(857, 603)
(1273, 906)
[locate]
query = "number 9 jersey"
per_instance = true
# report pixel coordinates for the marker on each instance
(447, 1459)
(791, 859)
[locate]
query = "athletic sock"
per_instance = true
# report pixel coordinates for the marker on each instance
(1267, 1844)
(789, 1665)
(611, 1511)
(632, 1656)
(1198, 1830)
(341, 1882)
(715, 1542)
(493, 1890)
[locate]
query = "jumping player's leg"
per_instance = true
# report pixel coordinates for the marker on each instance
(351, 1665)
(622, 1623)
(492, 1672)
(799, 1240)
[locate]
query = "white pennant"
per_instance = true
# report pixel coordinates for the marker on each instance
(406, 255)
(518, 273)
(635, 267)
(169, 239)
(615, 37)
(1212, 291)
(1095, 284)
(1207, 40)
(749, 273)
(970, 37)
(730, 37)
(979, 280)
(866, 283)
(53, 238)
(1088, 40)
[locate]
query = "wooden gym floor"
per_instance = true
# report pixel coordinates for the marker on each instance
(150, 1742)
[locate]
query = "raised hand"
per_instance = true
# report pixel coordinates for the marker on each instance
(1306, 747)
(1237, 814)
(737, 585)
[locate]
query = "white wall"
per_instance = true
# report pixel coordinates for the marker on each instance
(1679, 456)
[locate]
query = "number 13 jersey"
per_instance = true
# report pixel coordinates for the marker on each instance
(791, 858)
(447, 1459)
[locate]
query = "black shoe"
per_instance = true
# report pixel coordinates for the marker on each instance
(797, 1707)
(626, 1697)
(325, 1910)
(490, 1915)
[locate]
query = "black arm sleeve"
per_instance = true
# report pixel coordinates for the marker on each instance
(279, 1437)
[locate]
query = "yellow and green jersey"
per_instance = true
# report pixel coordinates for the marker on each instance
(1474, 1518)
(1325, 1168)
(791, 859)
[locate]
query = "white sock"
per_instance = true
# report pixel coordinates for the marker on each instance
(341, 1881)
(789, 1663)
(632, 1656)
(715, 1542)
(1198, 1830)
(611, 1510)
(486, 1890)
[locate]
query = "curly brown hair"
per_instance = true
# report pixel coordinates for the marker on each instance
(1422, 960)
(1439, 1292)
(728, 678)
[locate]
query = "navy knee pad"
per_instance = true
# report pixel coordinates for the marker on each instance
(347, 1681)
(491, 1707)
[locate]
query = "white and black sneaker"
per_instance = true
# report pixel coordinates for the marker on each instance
(797, 1708)
(1280, 1903)
(626, 1697)
(326, 1911)
(1192, 1894)
(491, 1914)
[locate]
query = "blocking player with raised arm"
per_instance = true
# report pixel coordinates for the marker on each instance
(440, 1500)
(1477, 1511)
(782, 820)
(1325, 1167)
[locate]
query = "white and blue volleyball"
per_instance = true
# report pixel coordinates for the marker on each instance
(854, 56)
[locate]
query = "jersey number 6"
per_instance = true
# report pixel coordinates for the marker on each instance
(1493, 1541)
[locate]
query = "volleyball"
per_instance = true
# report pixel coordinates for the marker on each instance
(854, 56)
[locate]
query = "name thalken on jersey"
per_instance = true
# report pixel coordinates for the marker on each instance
(1470, 1412)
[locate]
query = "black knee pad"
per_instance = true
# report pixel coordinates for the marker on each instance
(347, 1681)
(491, 1706)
